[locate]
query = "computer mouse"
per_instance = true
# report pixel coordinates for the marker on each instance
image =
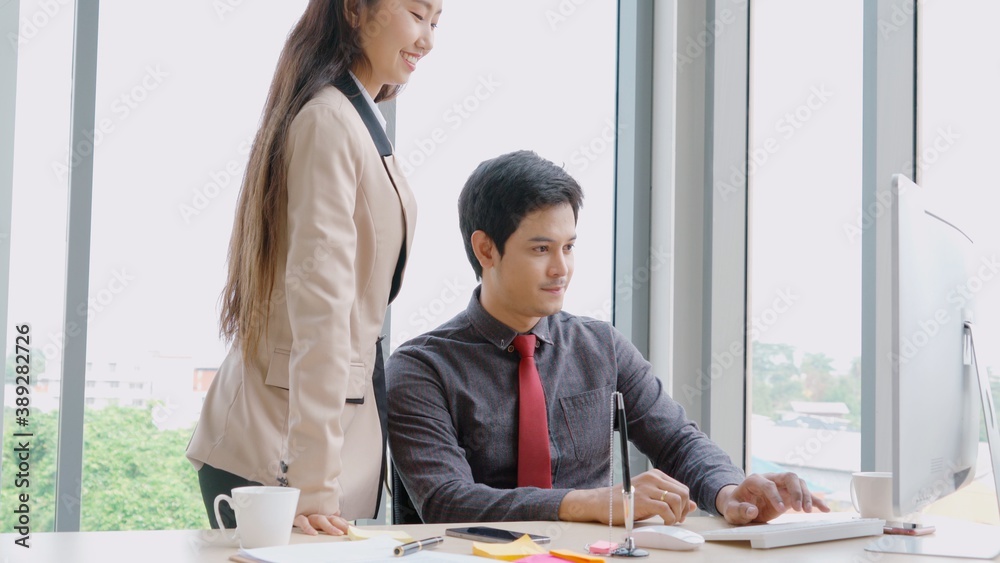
(667, 537)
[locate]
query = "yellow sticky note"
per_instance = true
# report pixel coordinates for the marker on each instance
(512, 551)
(359, 534)
(575, 557)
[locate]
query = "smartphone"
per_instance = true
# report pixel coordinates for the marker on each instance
(492, 535)
(922, 531)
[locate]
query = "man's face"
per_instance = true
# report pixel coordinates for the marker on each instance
(530, 280)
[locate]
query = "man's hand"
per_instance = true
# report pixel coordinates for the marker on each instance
(656, 494)
(763, 497)
(332, 524)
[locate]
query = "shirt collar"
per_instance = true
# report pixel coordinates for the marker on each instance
(494, 331)
(368, 98)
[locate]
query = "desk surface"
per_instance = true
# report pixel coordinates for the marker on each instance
(203, 546)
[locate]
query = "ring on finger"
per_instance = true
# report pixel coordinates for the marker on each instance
(663, 495)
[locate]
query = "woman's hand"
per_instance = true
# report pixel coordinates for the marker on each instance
(313, 524)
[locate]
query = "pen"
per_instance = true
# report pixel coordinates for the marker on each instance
(623, 434)
(415, 546)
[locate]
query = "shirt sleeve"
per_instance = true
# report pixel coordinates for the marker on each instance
(319, 282)
(661, 430)
(431, 463)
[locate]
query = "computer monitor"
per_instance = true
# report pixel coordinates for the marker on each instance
(937, 388)
(935, 397)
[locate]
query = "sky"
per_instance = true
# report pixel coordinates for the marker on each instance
(181, 86)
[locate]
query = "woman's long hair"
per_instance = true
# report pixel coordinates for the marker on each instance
(324, 45)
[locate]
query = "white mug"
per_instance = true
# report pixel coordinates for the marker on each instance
(264, 515)
(871, 494)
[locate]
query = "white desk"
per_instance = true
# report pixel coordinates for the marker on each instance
(197, 546)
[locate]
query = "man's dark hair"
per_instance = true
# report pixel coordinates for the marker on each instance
(501, 191)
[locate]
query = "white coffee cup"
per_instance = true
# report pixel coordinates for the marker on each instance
(871, 494)
(264, 515)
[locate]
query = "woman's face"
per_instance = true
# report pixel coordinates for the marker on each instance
(395, 34)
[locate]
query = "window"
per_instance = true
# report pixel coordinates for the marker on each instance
(178, 112)
(805, 258)
(464, 105)
(39, 202)
(91, 384)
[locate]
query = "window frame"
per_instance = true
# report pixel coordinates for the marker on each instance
(704, 286)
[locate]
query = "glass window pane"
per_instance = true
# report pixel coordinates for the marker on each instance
(38, 247)
(957, 123)
(475, 98)
(178, 110)
(805, 252)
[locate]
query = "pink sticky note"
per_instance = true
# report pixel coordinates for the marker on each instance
(602, 547)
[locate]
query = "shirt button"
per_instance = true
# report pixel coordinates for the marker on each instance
(510, 348)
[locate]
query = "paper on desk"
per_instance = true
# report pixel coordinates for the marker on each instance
(360, 534)
(375, 550)
(517, 549)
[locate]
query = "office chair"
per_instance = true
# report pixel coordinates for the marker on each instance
(403, 511)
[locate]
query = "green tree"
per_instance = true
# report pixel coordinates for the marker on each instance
(135, 476)
(847, 389)
(775, 378)
(817, 373)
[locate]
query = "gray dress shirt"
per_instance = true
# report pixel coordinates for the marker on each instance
(453, 395)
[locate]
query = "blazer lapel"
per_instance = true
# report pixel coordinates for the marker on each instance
(349, 87)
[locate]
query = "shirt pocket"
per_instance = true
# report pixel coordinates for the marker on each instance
(588, 422)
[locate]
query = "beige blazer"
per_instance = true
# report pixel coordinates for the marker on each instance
(306, 402)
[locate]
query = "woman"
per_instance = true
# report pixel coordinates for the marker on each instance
(323, 226)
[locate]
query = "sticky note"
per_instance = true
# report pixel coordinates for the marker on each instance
(602, 547)
(512, 551)
(567, 555)
(359, 534)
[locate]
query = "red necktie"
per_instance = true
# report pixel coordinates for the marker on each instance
(534, 463)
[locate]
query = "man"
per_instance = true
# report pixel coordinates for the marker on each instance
(504, 412)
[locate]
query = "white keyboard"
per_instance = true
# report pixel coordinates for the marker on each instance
(765, 536)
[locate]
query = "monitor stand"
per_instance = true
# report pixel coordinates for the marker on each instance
(960, 539)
